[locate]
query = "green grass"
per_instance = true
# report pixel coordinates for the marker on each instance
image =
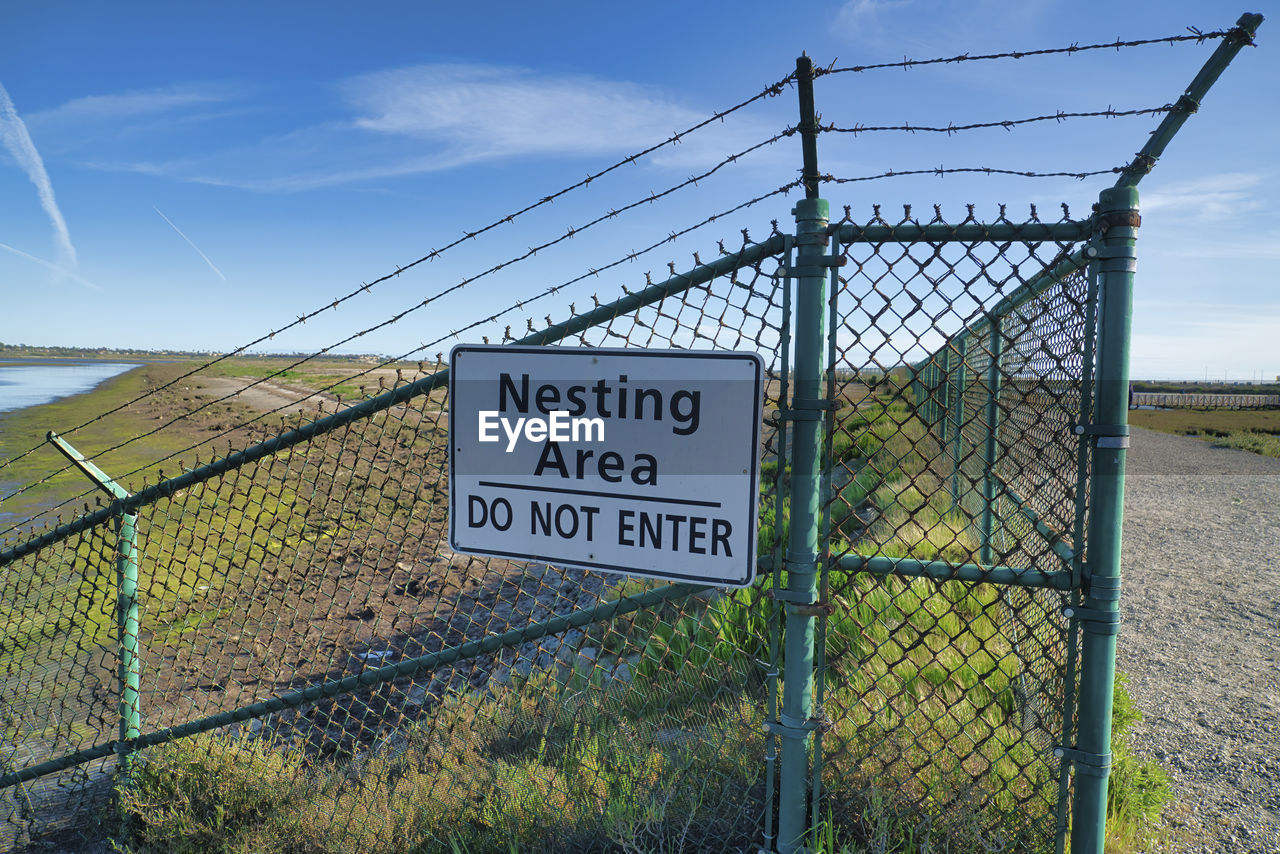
(536, 769)
(1256, 430)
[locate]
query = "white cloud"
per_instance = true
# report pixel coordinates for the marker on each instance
(14, 135)
(430, 118)
(190, 243)
(1222, 196)
(490, 111)
(859, 15)
(126, 105)
(486, 112)
(57, 268)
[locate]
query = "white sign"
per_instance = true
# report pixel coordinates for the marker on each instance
(644, 462)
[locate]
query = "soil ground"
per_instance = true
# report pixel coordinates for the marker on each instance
(1201, 635)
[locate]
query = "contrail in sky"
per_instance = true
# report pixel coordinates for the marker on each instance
(13, 133)
(212, 266)
(56, 268)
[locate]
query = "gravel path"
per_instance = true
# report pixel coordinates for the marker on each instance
(1201, 635)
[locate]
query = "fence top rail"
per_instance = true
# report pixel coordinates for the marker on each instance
(1067, 231)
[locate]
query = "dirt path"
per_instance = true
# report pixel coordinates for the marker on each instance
(1201, 635)
(266, 396)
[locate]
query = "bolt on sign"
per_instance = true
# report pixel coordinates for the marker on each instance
(643, 462)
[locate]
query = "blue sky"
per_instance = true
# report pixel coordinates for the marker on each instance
(193, 178)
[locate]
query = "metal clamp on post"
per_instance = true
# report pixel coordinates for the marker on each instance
(786, 725)
(814, 267)
(1105, 588)
(1095, 620)
(1093, 764)
(806, 410)
(810, 609)
(1106, 435)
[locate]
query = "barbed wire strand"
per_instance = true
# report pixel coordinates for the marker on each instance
(533, 250)
(318, 395)
(1007, 124)
(906, 63)
(770, 91)
(986, 170)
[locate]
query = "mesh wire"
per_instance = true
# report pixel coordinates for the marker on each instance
(59, 691)
(329, 560)
(945, 697)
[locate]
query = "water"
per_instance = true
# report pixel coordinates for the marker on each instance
(26, 383)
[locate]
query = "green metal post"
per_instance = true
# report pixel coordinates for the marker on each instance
(127, 622)
(943, 404)
(1242, 34)
(1099, 617)
(995, 349)
(794, 724)
(127, 626)
(957, 414)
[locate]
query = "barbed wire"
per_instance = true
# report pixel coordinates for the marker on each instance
(985, 170)
(409, 355)
(533, 250)
(770, 91)
(1007, 124)
(906, 63)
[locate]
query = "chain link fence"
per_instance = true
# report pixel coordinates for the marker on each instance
(275, 649)
(958, 375)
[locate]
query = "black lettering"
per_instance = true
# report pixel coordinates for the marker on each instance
(583, 456)
(622, 396)
(547, 395)
(474, 502)
(574, 394)
(647, 474)
(696, 533)
(676, 522)
(591, 515)
(540, 514)
(688, 419)
(653, 394)
(552, 458)
(567, 533)
(602, 390)
(720, 531)
(651, 527)
(521, 398)
(625, 527)
(610, 465)
(493, 513)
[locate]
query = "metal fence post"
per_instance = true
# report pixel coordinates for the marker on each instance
(795, 723)
(957, 447)
(127, 626)
(943, 403)
(1099, 618)
(996, 349)
(128, 672)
